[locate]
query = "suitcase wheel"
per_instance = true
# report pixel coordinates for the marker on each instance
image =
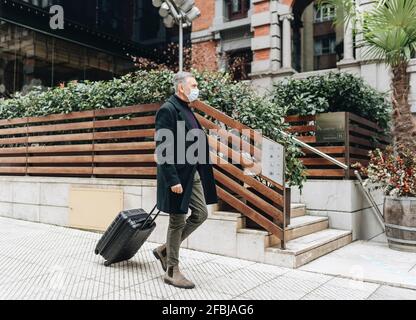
(96, 252)
(107, 263)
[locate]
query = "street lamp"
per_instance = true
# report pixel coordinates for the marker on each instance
(180, 12)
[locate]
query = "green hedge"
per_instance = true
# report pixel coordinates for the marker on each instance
(331, 93)
(217, 89)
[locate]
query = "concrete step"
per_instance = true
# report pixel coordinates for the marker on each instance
(229, 216)
(305, 225)
(309, 239)
(305, 249)
(297, 210)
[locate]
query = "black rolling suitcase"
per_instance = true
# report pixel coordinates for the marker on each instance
(125, 236)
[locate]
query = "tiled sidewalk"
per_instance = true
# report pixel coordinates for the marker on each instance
(46, 262)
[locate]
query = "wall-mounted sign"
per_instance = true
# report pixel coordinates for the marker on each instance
(330, 127)
(273, 161)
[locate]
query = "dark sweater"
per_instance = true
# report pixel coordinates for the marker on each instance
(188, 113)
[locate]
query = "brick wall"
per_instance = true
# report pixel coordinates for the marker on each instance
(207, 8)
(204, 55)
(261, 30)
(288, 2)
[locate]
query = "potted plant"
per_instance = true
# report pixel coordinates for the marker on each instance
(395, 173)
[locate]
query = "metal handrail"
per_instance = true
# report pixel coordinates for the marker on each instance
(316, 151)
(370, 198)
(368, 195)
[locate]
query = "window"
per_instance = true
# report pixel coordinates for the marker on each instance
(239, 64)
(324, 13)
(237, 9)
(235, 6)
(325, 45)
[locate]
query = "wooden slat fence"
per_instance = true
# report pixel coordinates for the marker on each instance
(361, 136)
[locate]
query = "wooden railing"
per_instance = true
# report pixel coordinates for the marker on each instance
(360, 136)
(119, 143)
(265, 204)
(90, 143)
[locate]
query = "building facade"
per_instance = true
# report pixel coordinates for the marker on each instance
(280, 38)
(96, 43)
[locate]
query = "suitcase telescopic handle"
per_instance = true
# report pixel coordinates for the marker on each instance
(150, 214)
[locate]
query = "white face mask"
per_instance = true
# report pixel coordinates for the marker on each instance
(193, 95)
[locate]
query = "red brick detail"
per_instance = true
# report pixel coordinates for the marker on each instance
(261, 6)
(206, 19)
(288, 2)
(263, 54)
(204, 56)
(262, 31)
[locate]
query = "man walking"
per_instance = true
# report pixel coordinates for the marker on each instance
(182, 182)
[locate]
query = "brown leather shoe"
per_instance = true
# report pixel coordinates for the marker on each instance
(175, 278)
(161, 255)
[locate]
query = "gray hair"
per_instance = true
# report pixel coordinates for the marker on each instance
(180, 78)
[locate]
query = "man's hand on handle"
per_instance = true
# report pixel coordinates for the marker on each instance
(177, 189)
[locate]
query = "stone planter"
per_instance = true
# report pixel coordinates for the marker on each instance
(400, 220)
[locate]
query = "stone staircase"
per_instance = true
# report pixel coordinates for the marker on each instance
(308, 238)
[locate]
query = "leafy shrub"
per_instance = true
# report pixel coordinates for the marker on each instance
(236, 99)
(392, 171)
(332, 92)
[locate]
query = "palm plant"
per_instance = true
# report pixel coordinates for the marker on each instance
(387, 32)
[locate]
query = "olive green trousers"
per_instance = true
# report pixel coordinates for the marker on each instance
(180, 227)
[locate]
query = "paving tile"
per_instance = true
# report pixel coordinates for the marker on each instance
(93, 236)
(46, 294)
(16, 233)
(212, 268)
(88, 290)
(199, 278)
(51, 261)
(227, 285)
(353, 284)
(240, 298)
(282, 288)
(315, 297)
(157, 288)
(17, 251)
(5, 263)
(18, 290)
(43, 262)
(233, 262)
(391, 293)
(66, 249)
(80, 253)
(121, 275)
(328, 292)
(200, 294)
(187, 262)
(126, 294)
(40, 286)
(265, 268)
(252, 277)
(368, 261)
(292, 284)
(303, 275)
(345, 289)
(270, 293)
(18, 270)
(197, 255)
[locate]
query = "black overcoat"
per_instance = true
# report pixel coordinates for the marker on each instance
(170, 174)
